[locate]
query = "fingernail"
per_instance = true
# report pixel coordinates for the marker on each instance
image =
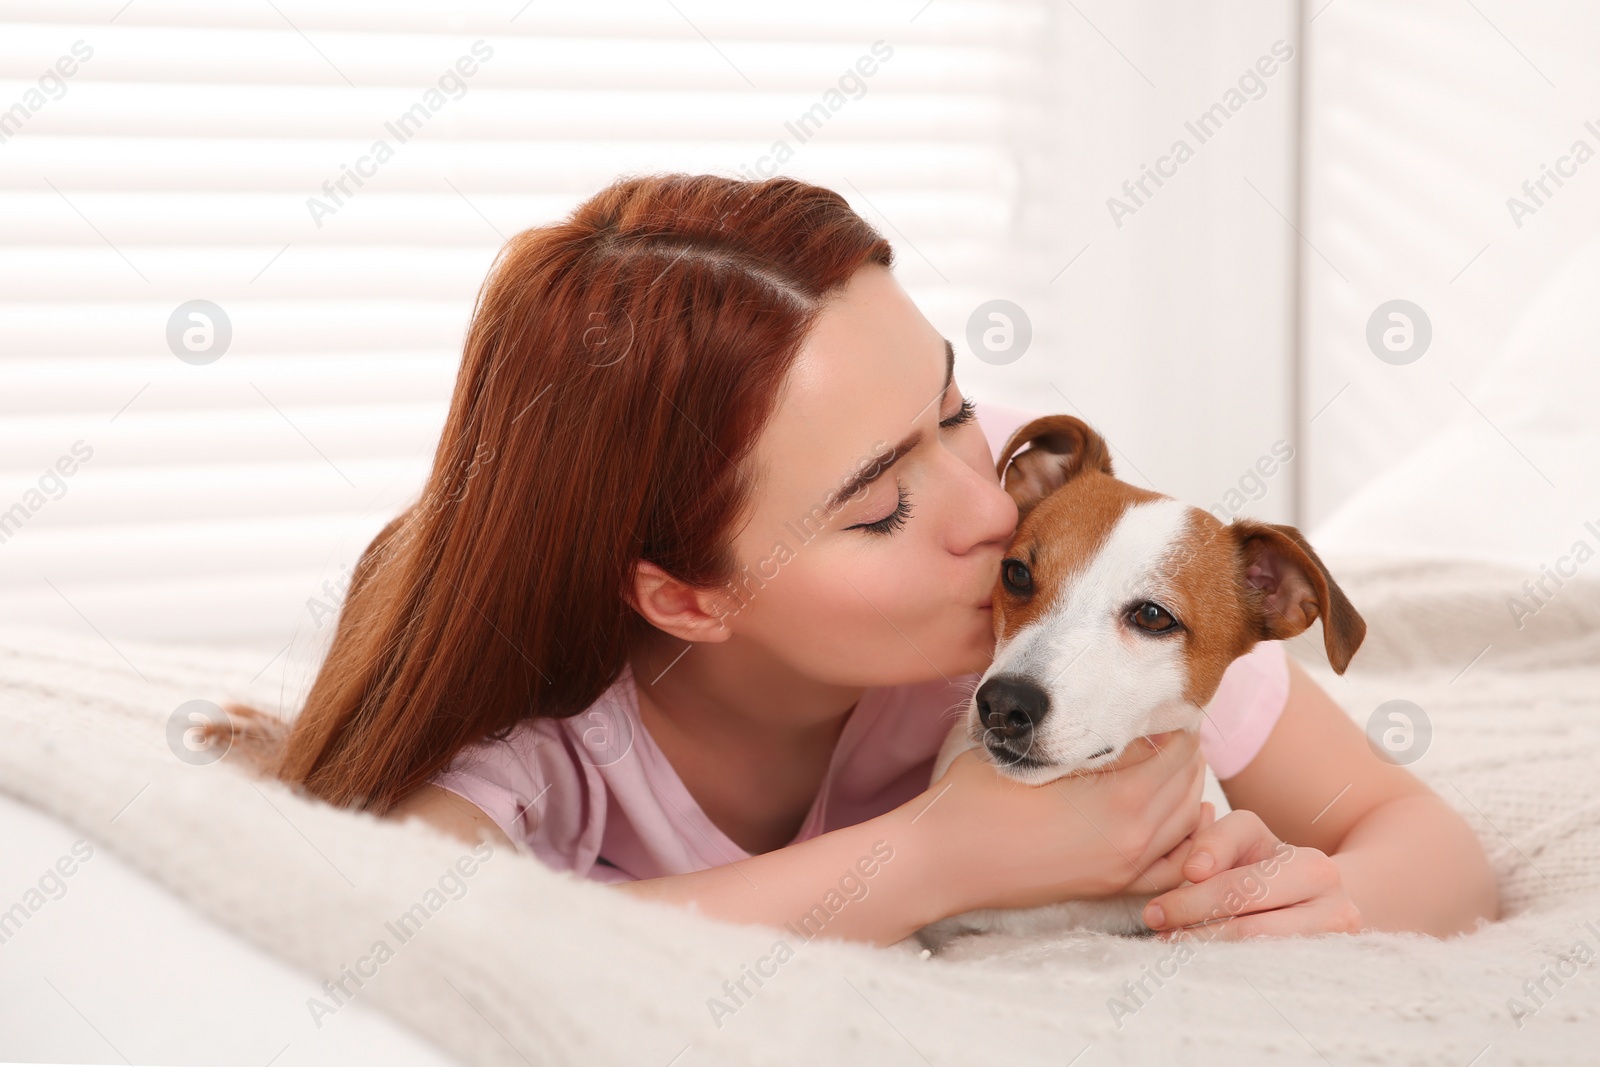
(1154, 916)
(1200, 861)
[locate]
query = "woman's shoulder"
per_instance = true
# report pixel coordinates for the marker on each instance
(540, 782)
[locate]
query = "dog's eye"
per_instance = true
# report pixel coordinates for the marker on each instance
(1016, 576)
(1152, 618)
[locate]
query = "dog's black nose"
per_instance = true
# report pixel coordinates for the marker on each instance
(1010, 707)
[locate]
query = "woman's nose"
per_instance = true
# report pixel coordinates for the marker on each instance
(994, 514)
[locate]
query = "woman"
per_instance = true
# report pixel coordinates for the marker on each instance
(675, 612)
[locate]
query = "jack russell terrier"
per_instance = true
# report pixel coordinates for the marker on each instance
(1116, 613)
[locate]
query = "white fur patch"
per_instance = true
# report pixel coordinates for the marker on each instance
(1108, 682)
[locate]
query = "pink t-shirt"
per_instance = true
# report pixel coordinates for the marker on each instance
(592, 794)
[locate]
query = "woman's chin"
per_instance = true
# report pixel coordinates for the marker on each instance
(979, 659)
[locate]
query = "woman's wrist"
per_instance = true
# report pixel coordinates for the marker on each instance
(923, 887)
(879, 880)
(892, 859)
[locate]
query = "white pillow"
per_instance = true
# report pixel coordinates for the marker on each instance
(1518, 483)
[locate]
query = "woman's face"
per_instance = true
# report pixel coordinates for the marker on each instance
(891, 583)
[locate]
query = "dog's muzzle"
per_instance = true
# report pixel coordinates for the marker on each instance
(1010, 711)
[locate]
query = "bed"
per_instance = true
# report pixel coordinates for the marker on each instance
(214, 907)
(223, 920)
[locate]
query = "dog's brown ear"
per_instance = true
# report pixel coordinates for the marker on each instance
(1291, 589)
(1062, 447)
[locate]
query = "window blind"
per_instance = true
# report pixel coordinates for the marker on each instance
(156, 154)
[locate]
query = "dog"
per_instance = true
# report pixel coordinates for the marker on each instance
(1116, 612)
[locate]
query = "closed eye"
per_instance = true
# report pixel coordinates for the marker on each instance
(890, 522)
(902, 511)
(965, 414)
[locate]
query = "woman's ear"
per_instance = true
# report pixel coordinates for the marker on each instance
(1062, 447)
(688, 612)
(1291, 589)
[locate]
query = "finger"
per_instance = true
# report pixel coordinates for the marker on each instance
(1235, 840)
(1139, 750)
(1167, 872)
(1164, 874)
(1244, 890)
(1179, 797)
(1169, 846)
(1305, 919)
(1168, 804)
(1174, 745)
(1174, 806)
(1182, 782)
(1180, 744)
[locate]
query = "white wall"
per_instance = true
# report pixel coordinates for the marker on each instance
(1171, 332)
(1423, 119)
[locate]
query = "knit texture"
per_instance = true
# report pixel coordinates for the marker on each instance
(529, 965)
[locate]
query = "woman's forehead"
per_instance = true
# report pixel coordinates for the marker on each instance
(867, 375)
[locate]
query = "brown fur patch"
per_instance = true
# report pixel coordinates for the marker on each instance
(1203, 575)
(1058, 538)
(1200, 574)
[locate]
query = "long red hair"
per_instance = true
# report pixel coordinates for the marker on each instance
(618, 367)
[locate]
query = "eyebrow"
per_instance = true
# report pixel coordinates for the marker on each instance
(863, 478)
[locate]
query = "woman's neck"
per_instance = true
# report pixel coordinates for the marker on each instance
(750, 739)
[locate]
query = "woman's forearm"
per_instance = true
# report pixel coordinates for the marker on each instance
(1414, 864)
(974, 839)
(872, 881)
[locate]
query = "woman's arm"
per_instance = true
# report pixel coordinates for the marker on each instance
(876, 881)
(455, 815)
(974, 840)
(1368, 834)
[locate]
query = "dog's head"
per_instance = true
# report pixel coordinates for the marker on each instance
(1118, 609)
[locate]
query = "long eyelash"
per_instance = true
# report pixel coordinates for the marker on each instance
(965, 415)
(897, 518)
(892, 521)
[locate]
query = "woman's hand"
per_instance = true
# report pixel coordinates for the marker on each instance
(1248, 883)
(1167, 872)
(1004, 844)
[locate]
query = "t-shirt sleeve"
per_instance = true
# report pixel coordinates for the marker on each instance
(537, 790)
(1245, 708)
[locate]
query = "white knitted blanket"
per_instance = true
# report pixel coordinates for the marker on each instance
(513, 963)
